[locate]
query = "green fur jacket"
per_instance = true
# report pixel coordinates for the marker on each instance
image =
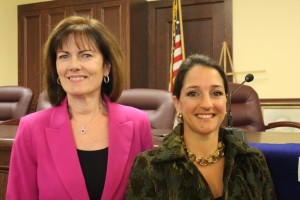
(165, 172)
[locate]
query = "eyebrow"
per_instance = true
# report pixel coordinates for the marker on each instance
(81, 51)
(217, 86)
(213, 86)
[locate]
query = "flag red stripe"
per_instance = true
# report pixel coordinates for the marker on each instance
(177, 58)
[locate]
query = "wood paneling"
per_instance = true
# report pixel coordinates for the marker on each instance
(31, 33)
(89, 9)
(142, 29)
(205, 28)
(36, 21)
(3, 181)
(6, 141)
(54, 16)
(118, 26)
(139, 46)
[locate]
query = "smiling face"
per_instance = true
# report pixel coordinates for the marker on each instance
(202, 101)
(80, 67)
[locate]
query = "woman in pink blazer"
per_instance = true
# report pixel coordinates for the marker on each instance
(83, 146)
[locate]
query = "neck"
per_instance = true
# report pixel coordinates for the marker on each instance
(79, 106)
(83, 120)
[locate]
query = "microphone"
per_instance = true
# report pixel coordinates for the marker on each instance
(238, 133)
(248, 78)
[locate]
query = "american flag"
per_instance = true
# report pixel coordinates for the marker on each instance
(177, 49)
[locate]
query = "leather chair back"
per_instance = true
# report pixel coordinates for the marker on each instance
(246, 109)
(156, 103)
(14, 102)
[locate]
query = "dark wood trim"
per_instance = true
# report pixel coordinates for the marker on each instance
(228, 24)
(169, 3)
(280, 102)
(228, 31)
(56, 3)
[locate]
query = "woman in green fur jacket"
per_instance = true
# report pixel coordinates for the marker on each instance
(199, 159)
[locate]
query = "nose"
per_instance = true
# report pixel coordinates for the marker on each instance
(206, 102)
(75, 64)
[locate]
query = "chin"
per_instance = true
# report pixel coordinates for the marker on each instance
(73, 93)
(207, 130)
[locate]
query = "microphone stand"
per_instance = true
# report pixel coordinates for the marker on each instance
(229, 120)
(235, 131)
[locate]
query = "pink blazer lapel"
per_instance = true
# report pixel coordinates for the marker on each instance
(120, 140)
(64, 154)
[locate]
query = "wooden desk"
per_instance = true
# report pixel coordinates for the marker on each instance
(272, 137)
(252, 137)
(7, 133)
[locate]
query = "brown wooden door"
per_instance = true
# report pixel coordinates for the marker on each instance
(36, 21)
(32, 34)
(205, 25)
(116, 19)
(34, 28)
(54, 16)
(86, 10)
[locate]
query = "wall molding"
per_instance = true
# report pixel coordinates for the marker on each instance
(289, 102)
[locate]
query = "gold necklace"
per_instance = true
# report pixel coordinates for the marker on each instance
(83, 127)
(213, 158)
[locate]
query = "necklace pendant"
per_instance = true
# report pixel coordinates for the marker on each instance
(82, 131)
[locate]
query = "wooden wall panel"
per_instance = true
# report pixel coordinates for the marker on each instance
(204, 26)
(54, 16)
(108, 13)
(3, 182)
(5, 152)
(143, 30)
(36, 21)
(139, 46)
(85, 10)
(116, 20)
(31, 32)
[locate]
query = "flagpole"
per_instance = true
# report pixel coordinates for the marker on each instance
(174, 10)
(177, 48)
(181, 30)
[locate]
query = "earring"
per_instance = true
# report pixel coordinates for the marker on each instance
(58, 81)
(179, 117)
(106, 79)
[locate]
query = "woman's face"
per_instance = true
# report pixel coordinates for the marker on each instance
(202, 100)
(80, 67)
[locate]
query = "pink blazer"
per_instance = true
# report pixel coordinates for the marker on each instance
(44, 162)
